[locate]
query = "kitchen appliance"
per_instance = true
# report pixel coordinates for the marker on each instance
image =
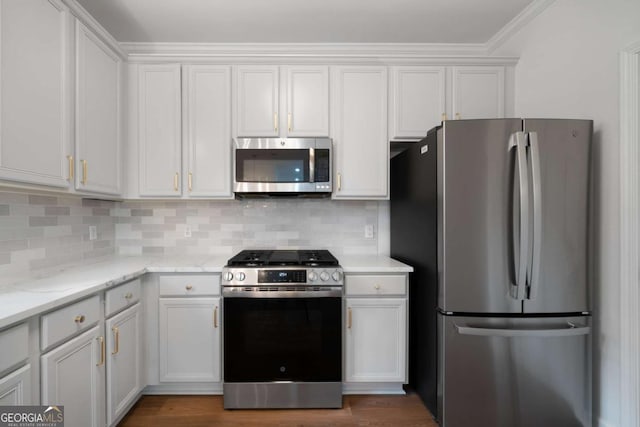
(290, 167)
(493, 216)
(282, 329)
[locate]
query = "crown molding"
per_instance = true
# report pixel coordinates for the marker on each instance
(313, 52)
(527, 15)
(81, 13)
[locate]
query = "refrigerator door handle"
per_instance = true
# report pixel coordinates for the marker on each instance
(536, 185)
(569, 330)
(518, 141)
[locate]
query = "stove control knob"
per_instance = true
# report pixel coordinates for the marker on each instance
(324, 276)
(241, 276)
(313, 276)
(336, 276)
(228, 276)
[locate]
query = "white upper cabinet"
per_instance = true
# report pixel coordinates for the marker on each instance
(258, 91)
(207, 131)
(159, 130)
(98, 77)
(359, 131)
(307, 101)
(35, 86)
(478, 92)
(257, 101)
(417, 100)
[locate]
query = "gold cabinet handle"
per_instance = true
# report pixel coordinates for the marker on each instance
(339, 181)
(289, 121)
(376, 287)
(116, 337)
(457, 116)
(175, 181)
(275, 121)
(215, 317)
(349, 318)
(79, 319)
(129, 295)
(71, 168)
(188, 287)
(190, 181)
(84, 172)
(102, 351)
(443, 117)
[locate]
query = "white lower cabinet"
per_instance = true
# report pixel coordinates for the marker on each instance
(376, 340)
(73, 375)
(190, 340)
(124, 361)
(15, 388)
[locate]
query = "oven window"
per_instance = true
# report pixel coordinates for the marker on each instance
(282, 339)
(281, 165)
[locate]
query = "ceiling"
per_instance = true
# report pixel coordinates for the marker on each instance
(304, 21)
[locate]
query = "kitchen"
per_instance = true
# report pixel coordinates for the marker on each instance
(552, 65)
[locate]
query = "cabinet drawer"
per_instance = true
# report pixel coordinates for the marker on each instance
(121, 297)
(376, 285)
(189, 284)
(14, 343)
(68, 321)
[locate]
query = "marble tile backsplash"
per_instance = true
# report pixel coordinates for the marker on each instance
(43, 233)
(226, 227)
(40, 233)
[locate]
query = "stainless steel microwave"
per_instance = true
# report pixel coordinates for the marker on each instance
(297, 167)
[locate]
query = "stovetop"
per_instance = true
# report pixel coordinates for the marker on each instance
(253, 258)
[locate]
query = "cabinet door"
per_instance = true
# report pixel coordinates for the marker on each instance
(308, 101)
(478, 92)
(257, 101)
(159, 116)
(418, 100)
(73, 376)
(97, 114)
(34, 82)
(15, 388)
(207, 92)
(360, 132)
(124, 357)
(376, 340)
(190, 339)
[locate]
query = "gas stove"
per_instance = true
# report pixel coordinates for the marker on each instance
(282, 270)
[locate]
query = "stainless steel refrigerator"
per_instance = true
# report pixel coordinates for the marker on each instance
(494, 217)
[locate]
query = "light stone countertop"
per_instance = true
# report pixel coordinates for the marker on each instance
(27, 298)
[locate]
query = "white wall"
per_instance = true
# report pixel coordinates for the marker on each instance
(569, 68)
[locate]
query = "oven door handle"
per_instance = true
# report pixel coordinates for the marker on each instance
(239, 292)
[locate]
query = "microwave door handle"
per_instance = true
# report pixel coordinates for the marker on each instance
(312, 162)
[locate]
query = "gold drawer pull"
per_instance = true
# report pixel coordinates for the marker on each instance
(215, 317)
(129, 295)
(116, 333)
(349, 318)
(188, 287)
(79, 319)
(457, 116)
(102, 351)
(376, 287)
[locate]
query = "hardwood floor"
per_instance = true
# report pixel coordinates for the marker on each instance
(205, 411)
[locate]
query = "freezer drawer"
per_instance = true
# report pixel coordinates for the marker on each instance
(514, 372)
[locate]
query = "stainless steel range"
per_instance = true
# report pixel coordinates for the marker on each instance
(282, 329)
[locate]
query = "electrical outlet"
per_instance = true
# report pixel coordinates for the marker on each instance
(93, 232)
(368, 231)
(187, 231)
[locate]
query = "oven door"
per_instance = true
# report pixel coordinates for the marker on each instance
(282, 339)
